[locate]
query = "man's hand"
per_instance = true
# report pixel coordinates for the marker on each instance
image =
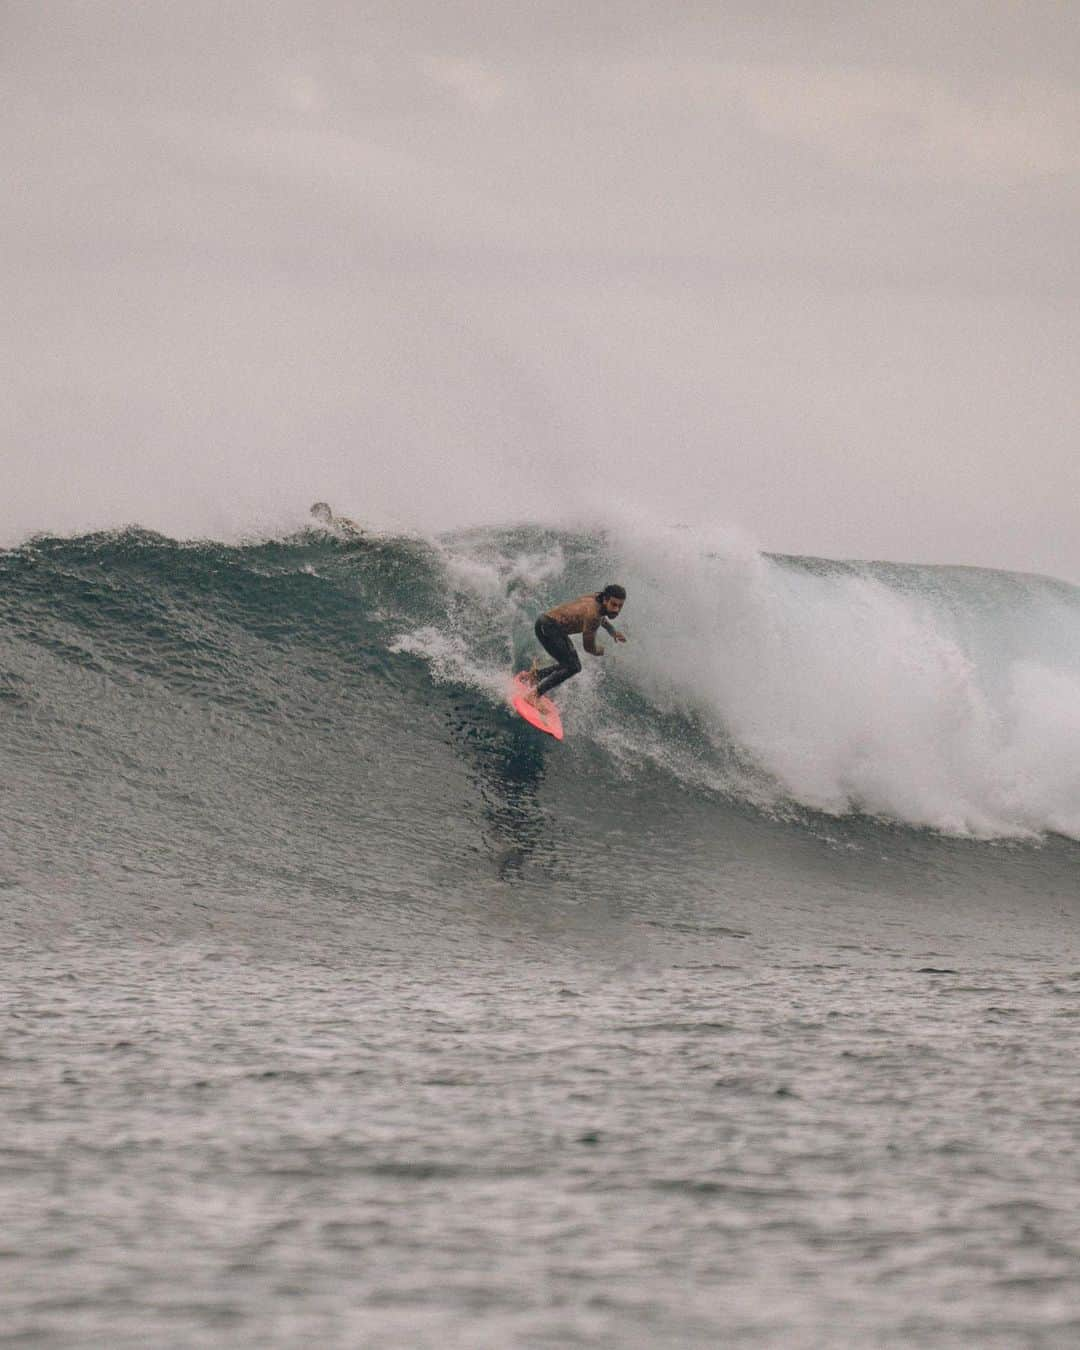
(619, 637)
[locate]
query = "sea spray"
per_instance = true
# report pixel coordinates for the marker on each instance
(933, 696)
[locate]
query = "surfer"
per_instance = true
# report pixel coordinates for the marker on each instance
(553, 629)
(341, 525)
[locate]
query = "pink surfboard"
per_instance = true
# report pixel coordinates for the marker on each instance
(546, 717)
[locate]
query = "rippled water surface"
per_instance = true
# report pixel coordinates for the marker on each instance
(639, 1136)
(336, 1009)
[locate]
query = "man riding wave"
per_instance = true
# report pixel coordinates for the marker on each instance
(554, 629)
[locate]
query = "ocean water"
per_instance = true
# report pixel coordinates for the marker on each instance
(340, 1008)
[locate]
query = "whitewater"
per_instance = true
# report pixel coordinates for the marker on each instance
(339, 1006)
(944, 697)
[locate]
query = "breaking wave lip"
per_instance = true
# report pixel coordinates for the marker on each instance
(927, 697)
(945, 698)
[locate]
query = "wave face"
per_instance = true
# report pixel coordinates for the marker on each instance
(316, 713)
(939, 697)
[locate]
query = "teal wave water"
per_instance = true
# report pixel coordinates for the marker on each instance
(340, 1006)
(329, 714)
(306, 706)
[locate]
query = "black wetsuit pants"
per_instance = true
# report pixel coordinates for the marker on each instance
(557, 644)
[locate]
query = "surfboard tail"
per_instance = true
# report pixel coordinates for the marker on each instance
(544, 715)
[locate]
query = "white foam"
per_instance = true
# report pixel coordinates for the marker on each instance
(941, 698)
(913, 703)
(451, 659)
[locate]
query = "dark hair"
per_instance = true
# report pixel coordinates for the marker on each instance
(612, 592)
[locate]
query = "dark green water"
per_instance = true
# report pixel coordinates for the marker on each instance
(340, 1008)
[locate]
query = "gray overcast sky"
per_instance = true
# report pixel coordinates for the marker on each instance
(808, 269)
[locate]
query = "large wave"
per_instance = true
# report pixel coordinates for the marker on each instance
(937, 697)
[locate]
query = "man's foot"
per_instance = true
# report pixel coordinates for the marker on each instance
(531, 673)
